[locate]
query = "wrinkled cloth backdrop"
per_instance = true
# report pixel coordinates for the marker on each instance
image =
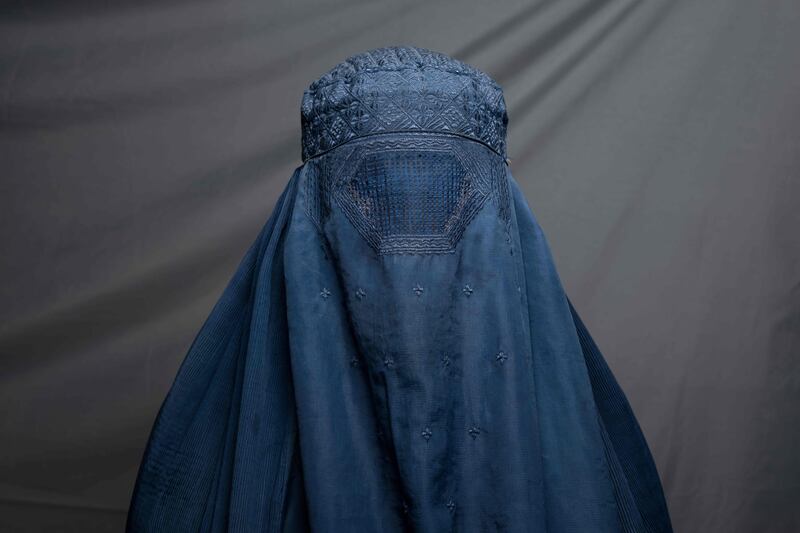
(657, 142)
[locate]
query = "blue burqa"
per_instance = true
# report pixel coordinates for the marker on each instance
(396, 351)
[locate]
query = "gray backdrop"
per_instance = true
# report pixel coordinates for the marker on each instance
(658, 143)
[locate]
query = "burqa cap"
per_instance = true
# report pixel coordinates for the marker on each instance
(402, 89)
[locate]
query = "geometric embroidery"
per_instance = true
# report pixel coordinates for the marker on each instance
(401, 88)
(412, 193)
(409, 143)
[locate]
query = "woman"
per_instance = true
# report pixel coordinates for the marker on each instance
(396, 351)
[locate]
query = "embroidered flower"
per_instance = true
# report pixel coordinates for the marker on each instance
(325, 293)
(360, 293)
(501, 357)
(467, 290)
(418, 289)
(426, 433)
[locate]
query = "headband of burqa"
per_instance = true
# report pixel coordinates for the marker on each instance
(396, 351)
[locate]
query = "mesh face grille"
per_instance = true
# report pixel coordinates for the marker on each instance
(409, 192)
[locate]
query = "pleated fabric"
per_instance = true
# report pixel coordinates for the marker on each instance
(396, 351)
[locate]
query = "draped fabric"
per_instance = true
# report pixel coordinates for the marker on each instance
(143, 146)
(396, 351)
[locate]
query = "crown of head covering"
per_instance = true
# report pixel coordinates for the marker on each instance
(402, 89)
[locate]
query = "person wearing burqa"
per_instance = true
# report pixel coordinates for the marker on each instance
(396, 351)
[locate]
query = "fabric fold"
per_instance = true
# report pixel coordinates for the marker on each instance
(636, 480)
(223, 438)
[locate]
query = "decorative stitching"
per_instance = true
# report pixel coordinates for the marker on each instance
(500, 192)
(401, 88)
(427, 146)
(316, 196)
(412, 193)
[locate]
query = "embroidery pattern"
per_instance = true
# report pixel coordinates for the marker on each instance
(502, 197)
(405, 193)
(408, 195)
(316, 194)
(426, 433)
(402, 88)
(415, 188)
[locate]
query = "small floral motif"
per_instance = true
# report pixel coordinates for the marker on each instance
(468, 290)
(418, 289)
(426, 433)
(474, 431)
(501, 357)
(325, 293)
(354, 361)
(360, 293)
(446, 360)
(388, 361)
(405, 507)
(451, 505)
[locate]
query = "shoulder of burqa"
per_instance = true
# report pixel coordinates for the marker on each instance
(396, 351)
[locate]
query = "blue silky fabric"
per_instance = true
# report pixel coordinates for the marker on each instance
(396, 352)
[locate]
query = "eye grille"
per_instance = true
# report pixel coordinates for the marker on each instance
(409, 192)
(410, 201)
